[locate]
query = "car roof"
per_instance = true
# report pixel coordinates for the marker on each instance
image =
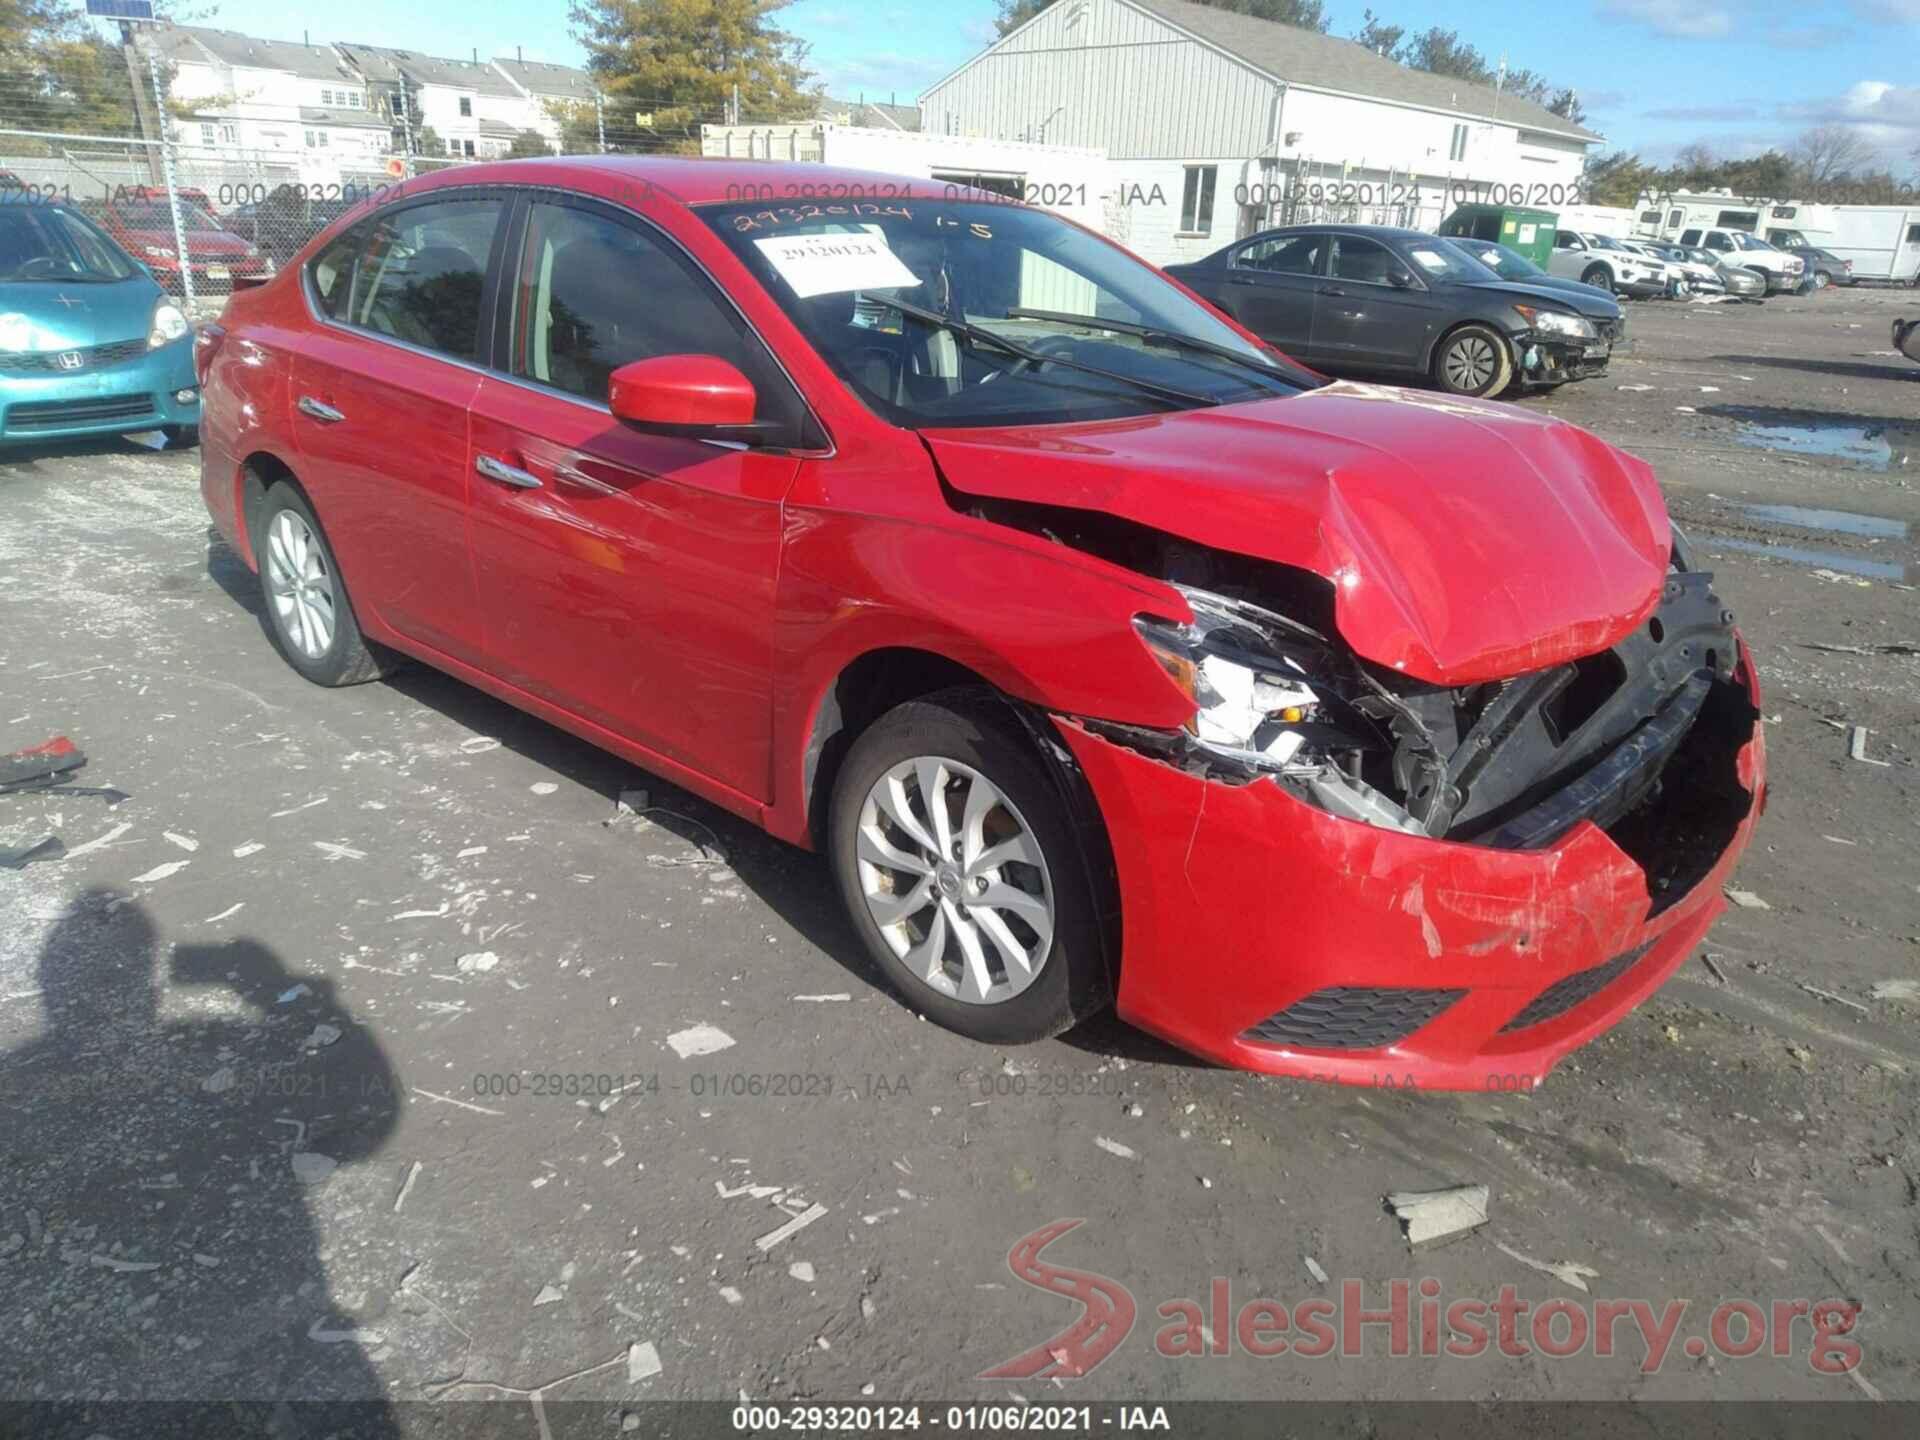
(702, 180)
(1383, 232)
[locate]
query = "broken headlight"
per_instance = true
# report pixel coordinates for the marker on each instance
(1255, 679)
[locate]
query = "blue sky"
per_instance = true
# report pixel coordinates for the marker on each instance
(1654, 74)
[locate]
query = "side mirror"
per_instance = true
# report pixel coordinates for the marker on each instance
(683, 395)
(1400, 279)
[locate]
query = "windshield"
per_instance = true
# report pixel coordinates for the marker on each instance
(909, 301)
(44, 242)
(1507, 264)
(1449, 260)
(1604, 242)
(1743, 241)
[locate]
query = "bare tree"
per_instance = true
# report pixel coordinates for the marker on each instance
(1829, 152)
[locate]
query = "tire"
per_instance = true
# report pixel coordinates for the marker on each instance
(1474, 360)
(1600, 275)
(955, 741)
(306, 598)
(1821, 279)
(181, 437)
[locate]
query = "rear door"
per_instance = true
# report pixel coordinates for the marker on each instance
(1270, 287)
(380, 394)
(1361, 318)
(626, 577)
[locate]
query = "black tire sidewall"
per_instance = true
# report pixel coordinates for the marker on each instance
(347, 651)
(977, 729)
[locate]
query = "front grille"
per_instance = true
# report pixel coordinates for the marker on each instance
(92, 357)
(59, 414)
(1571, 990)
(1352, 1018)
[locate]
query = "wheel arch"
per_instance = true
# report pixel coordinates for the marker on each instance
(1474, 321)
(259, 473)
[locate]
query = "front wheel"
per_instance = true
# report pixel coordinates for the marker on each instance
(1474, 360)
(1600, 277)
(181, 437)
(1821, 279)
(962, 872)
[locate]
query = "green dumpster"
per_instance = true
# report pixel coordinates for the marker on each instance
(1528, 231)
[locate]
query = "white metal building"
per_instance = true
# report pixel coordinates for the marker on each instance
(1218, 124)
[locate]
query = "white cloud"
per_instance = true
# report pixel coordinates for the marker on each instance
(1683, 19)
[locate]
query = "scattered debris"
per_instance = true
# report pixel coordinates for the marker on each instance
(296, 809)
(823, 999)
(310, 1167)
(1565, 1270)
(100, 842)
(252, 847)
(444, 908)
(1747, 900)
(1313, 1269)
(1802, 1056)
(220, 1081)
(322, 1036)
(1896, 990)
(793, 1227)
(643, 1362)
(462, 1104)
(1633, 387)
(801, 1270)
(334, 851)
(226, 914)
(1114, 1147)
(1818, 993)
(758, 1192)
(18, 858)
(549, 1295)
(543, 787)
(479, 745)
(1434, 1216)
(406, 1186)
(476, 963)
(731, 1295)
(1718, 974)
(161, 872)
(124, 1267)
(39, 767)
(1857, 746)
(1892, 647)
(700, 1039)
(185, 842)
(287, 997)
(1838, 1249)
(324, 1334)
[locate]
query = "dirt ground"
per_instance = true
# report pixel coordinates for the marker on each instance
(341, 1057)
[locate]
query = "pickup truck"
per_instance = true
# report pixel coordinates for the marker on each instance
(1780, 270)
(1603, 261)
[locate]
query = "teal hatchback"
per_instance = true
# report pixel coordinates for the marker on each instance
(89, 343)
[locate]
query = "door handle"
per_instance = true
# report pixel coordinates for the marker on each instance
(506, 474)
(319, 410)
(1334, 290)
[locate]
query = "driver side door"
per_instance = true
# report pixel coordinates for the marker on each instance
(1362, 318)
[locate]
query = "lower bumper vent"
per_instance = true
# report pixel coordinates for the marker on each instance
(1565, 993)
(1352, 1018)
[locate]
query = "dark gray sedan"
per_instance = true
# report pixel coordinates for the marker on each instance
(1375, 299)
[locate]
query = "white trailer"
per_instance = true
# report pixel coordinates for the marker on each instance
(1882, 241)
(1616, 221)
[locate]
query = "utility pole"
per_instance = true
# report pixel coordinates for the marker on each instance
(600, 120)
(185, 259)
(143, 103)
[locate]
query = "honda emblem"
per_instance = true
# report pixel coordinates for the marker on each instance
(70, 359)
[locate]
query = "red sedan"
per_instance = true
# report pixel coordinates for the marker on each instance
(142, 222)
(1111, 657)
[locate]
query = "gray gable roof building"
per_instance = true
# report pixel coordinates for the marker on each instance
(548, 81)
(382, 64)
(201, 45)
(1326, 62)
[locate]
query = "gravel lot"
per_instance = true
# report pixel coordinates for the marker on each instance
(308, 1045)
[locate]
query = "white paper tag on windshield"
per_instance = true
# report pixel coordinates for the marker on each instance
(830, 264)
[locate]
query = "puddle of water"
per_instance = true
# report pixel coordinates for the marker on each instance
(1839, 522)
(1851, 442)
(1819, 559)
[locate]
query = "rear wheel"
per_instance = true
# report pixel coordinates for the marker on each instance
(181, 437)
(1821, 279)
(1473, 360)
(308, 611)
(961, 870)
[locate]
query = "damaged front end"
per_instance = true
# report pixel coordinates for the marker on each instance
(1641, 739)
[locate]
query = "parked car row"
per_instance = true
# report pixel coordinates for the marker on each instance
(1066, 617)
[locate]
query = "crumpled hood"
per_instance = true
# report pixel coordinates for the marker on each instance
(1466, 541)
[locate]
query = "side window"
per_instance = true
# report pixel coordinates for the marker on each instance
(1913, 235)
(1196, 200)
(594, 292)
(1366, 261)
(1690, 237)
(331, 272)
(1282, 254)
(421, 275)
(1566, 240)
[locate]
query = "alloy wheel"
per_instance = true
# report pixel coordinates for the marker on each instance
(955, 880)
(1470, 363)
(300, 585)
